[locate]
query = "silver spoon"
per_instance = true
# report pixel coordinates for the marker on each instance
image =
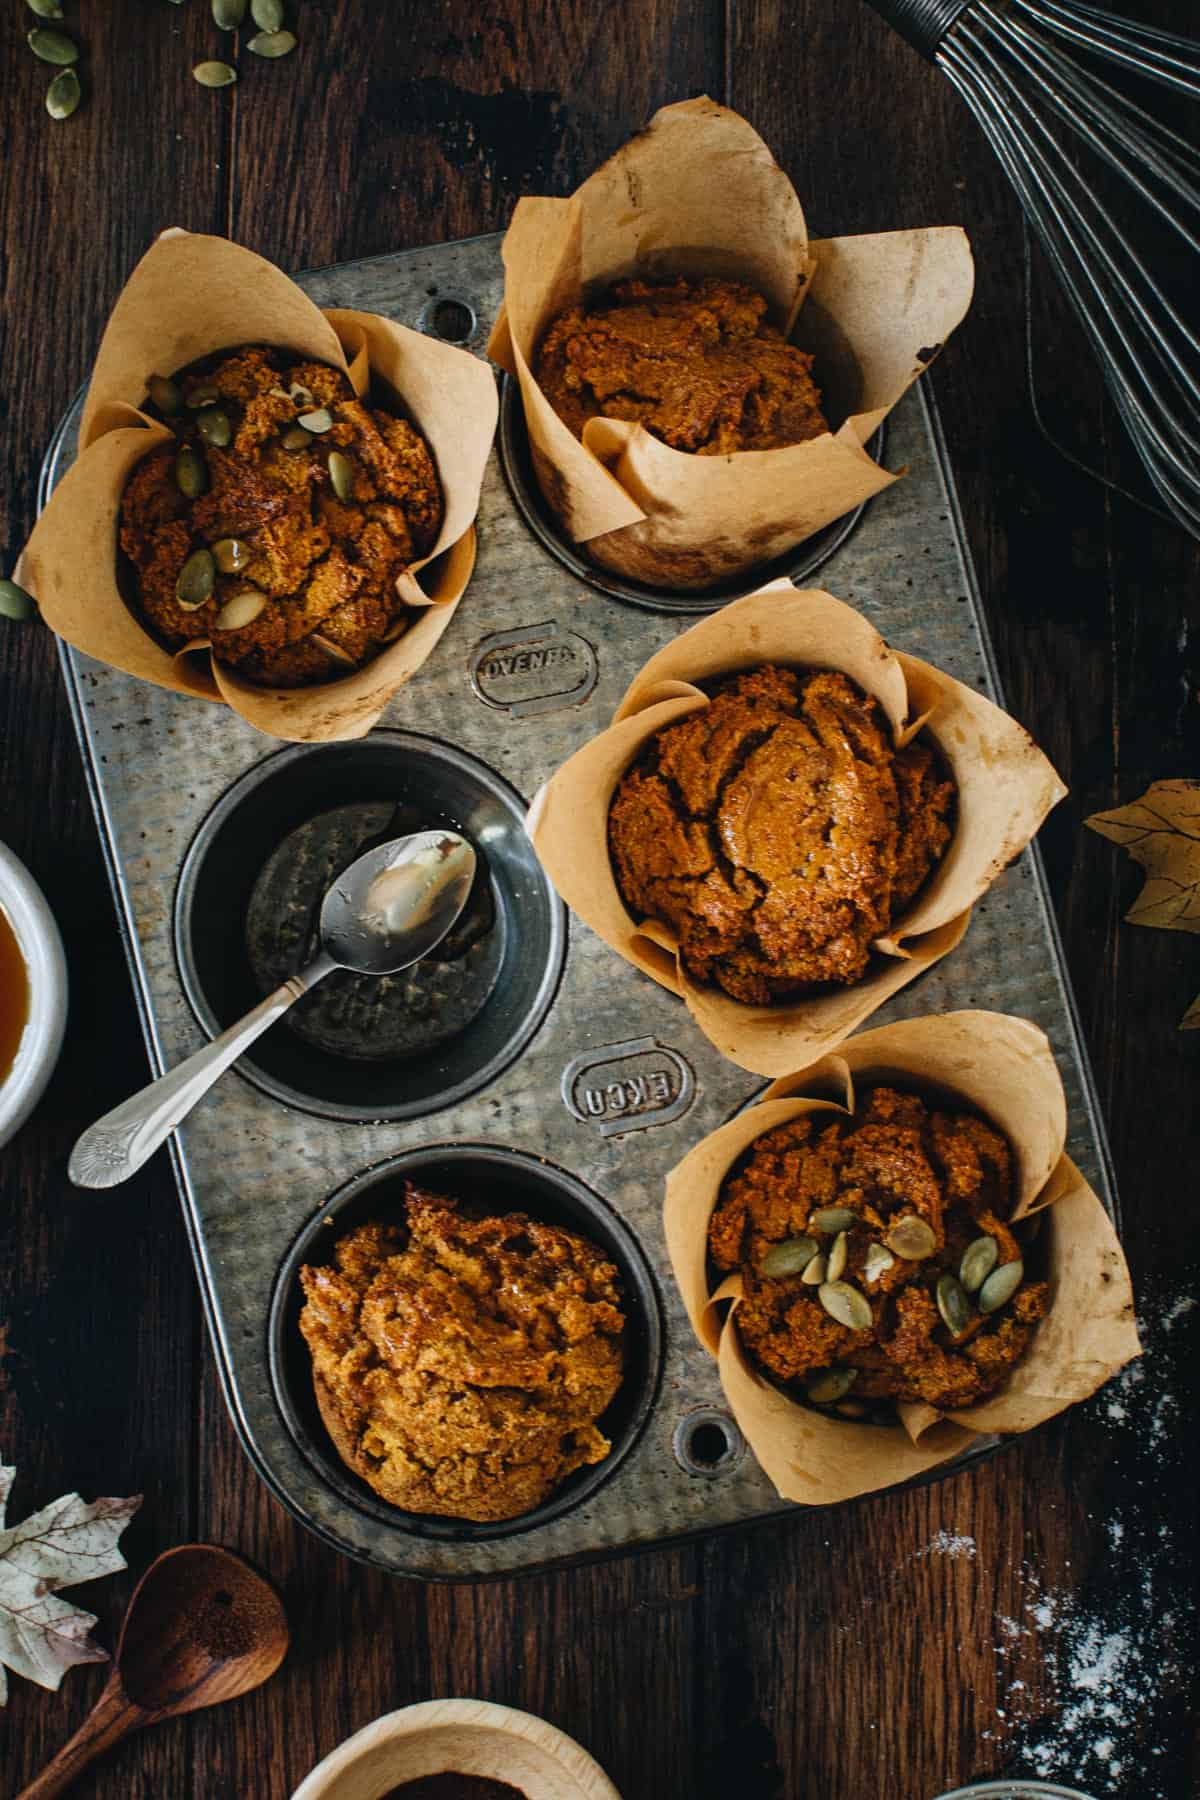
(388, 909)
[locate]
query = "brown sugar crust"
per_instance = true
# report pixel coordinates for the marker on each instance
(326, 567)
(461, 1364)
(895, 1158)
(778, 832)
(695, 362)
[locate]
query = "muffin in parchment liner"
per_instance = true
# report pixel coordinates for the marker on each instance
(189, 298)
(698, 194)
(1005, 788)
(1003, 1069)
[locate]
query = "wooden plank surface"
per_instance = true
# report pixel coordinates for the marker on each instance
(892, 1648)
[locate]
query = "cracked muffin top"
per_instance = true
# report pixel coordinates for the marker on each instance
(461, 1364)
(876, 1262)
(276, 525)
(778, 832)
(695, 362)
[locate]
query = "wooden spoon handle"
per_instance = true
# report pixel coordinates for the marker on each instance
(112, 1718)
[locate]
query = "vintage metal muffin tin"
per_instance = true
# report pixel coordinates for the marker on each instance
(569, 1057)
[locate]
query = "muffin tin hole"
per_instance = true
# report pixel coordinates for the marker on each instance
(449, 317)
(800, 564)
(707, 1443)
(497, 1180)
(393, 1047)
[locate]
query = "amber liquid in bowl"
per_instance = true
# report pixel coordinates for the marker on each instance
(14, 996)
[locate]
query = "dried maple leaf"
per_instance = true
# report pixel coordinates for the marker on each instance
(41, 1637)
(1162, 832)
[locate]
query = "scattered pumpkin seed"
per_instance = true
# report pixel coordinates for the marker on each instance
(787, 1257)
(316, 422)
(214, 427)
(831, 1385)
(836, 1266)
(978, 1261)
(278, 393)
(191, 472)
(911, 1237)
(341, 475)
(267, 14)
(195, 581)
(845, 1304)
(333, 651)
(877, 1261)
(299, 395)
(243, 609)
(165, 394)
(204, 395)
(833, 1218)
(953, 1305)
(15, 603)
(272, 43)
(852, 1409)
(814, 1274)
(46, 9)
(52, 46)
(214, 74)
(231, 555)
(64, 94)
(1000, 1286)
(294, 438)
(228, 14)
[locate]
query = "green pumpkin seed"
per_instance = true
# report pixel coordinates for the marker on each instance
(878, 1260)
(845, 1304)
(267, 14)
(831, 1385)
(63, 95)
(214, 427)
(912, 1238)
(165, 394)
(341, 475)
(979, 1259)
(15, 603)
(243, 609)
(296, 439)
(814, 1274)
(833, 1218)
(333, 651)
(231, 555)
(316, 422)
(272, 43)
(195, 581)
(1000, 1286)
(214, 74)
(52, 46)
(836, 1266)
(228, 14)
(953, 1305)
(204, 395)
(788, 1257)
(46, 9)
(191, 472)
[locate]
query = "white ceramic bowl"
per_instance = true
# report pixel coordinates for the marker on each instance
(471, 1737)
(40, 945)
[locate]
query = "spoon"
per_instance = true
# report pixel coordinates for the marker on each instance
(390, 908)
(202, 1627)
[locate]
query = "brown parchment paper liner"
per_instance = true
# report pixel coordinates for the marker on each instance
(1005, 789)
(1003, 1067)
(189, 297)
(699, 193)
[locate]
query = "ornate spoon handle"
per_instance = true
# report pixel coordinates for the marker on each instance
(116, 1146)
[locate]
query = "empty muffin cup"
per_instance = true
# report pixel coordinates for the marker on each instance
(367, 1047)
(492, 1180)
(799, 564)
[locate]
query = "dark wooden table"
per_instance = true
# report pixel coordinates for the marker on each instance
(1035, 1613)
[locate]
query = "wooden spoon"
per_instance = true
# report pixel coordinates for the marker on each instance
(202, 1627)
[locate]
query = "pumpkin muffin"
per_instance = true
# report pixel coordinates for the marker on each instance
(695, 362)
(876, 1262)
(461, 1364)
(779, 832)
(275, 527)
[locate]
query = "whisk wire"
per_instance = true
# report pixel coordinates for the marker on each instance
(1162, 56)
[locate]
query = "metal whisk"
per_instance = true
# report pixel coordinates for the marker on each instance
(1005, 57)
